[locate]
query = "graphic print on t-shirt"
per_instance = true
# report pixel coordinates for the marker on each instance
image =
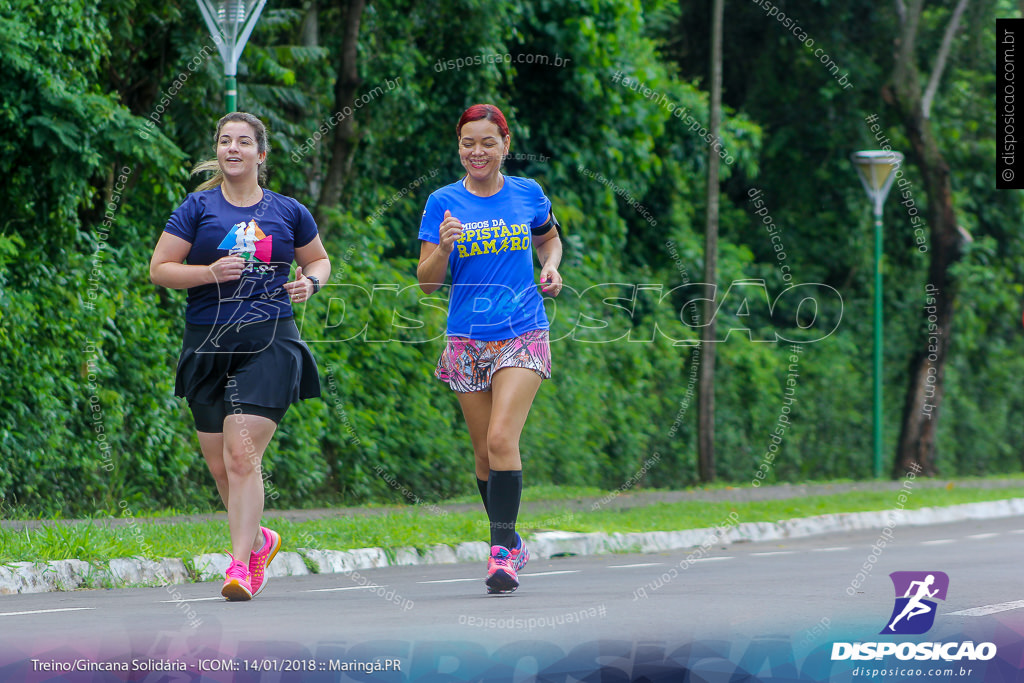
(494, 237)
(248, 241)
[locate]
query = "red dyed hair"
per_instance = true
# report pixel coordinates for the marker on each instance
(483, 111)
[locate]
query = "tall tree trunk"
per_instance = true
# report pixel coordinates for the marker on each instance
(706, 395)
(309, 36)
(916, 449)
(344, 140)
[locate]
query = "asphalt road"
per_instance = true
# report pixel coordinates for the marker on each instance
(771, 609)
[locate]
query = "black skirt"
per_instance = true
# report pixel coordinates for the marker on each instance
(264, 364)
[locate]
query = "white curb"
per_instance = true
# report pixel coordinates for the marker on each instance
(65, 575)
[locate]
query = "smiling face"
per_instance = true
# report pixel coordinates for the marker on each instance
(238, 152)
(481, 149)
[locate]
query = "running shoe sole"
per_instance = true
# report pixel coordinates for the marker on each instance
(234, 591)
(501, 582)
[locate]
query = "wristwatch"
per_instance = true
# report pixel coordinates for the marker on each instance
(316, 282)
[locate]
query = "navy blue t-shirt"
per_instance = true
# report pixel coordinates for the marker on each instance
(264, 234)
(494, 295)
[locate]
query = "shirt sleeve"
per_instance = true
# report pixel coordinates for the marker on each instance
(305, 229)
(184, 221)
(430, 223)
(541, 205)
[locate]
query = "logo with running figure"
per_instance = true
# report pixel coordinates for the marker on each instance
(248, 241)
(916, 592)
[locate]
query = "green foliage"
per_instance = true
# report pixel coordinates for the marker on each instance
(105, 108)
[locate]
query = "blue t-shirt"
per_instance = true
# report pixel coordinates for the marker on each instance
(264, 234)
(494, 295)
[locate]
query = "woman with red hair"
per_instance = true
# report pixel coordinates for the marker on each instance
(483, 227)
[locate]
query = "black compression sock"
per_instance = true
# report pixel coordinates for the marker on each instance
(481, 484)
(504, 491)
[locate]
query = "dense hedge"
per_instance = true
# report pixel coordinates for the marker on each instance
(88, 345)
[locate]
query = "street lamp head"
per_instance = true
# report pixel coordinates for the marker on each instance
(877, 170)
(230, 22)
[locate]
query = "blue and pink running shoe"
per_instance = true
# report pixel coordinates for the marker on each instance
(501, 571)
(520, 555)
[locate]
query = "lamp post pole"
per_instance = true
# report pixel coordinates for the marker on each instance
(231, 92)
(877, 362)
(230, 23)
(876, 169)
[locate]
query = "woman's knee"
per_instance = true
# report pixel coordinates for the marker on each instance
(218, 471)
(241, 459)
(501, 443)
(481, 458)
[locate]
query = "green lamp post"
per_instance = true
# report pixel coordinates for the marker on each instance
(877, 171)
(230, 23)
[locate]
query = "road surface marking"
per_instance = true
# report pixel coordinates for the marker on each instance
(980, 536)
(480, 578)
(940, 541)
(774, 552)
(221, 598)
(342, 588)
(639, 564)
(829, 550)
(990, 609)
(43, 611)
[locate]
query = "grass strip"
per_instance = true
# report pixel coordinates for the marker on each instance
(97, 542)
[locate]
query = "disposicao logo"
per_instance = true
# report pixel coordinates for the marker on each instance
(913, 614)
(914, 611)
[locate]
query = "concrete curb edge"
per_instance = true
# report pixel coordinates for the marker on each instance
(67, 575)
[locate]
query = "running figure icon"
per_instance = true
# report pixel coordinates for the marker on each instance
(915, 606)
(917, 594)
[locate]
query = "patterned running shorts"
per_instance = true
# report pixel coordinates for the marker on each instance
(468, 365)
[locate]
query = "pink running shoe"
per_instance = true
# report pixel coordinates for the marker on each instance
(501, 571)
(236, 582)
(259, 561)
(520, 555)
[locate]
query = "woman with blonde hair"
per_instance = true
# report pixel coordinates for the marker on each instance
(231, 244)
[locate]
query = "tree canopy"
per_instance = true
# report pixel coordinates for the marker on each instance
(106, 107)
